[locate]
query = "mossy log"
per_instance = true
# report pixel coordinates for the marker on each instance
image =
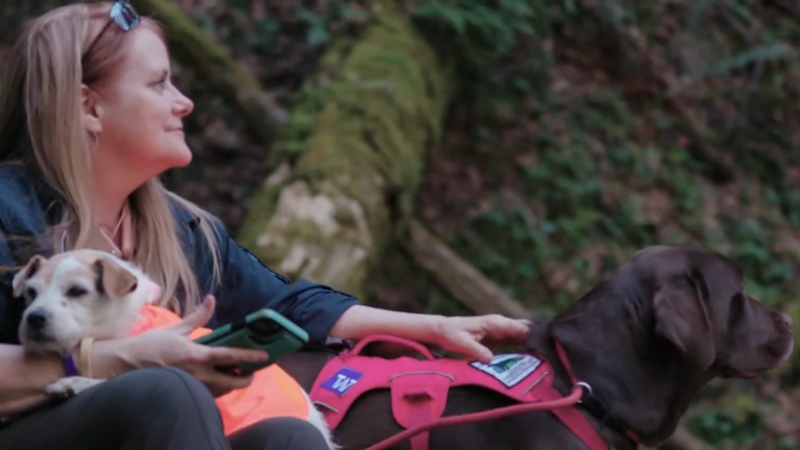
(192, 47)
(328, 212)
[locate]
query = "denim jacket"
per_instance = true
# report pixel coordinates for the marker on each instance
(28, 205)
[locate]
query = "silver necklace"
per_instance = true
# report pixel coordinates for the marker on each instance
(115, 250)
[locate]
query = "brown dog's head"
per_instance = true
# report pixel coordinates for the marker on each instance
(667, 322)
(701, 307)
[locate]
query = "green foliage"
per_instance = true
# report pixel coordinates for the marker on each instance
(592, 178)
(492, 27)
(564, 212)
(487, 34)
(722, 427)
(767, 275)
(240, 30)
(263, 35)
(739, 422)
(319, 32)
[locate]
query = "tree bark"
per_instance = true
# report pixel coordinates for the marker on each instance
(331, 207)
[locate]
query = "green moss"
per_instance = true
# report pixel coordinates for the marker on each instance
(383, 110)
(306, 104)
(359, 130)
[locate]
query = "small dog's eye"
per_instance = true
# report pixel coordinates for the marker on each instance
(76, 291)
(30, 294)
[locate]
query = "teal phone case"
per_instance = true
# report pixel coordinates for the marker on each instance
(266, 330)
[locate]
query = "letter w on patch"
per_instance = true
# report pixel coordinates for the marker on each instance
(342, 381)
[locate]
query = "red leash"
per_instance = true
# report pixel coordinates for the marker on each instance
(568, 401)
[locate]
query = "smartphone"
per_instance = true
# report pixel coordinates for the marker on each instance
(266, 330)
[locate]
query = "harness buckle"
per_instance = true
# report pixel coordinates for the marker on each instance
(587, 388)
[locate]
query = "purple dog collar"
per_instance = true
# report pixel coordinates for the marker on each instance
(68, 363)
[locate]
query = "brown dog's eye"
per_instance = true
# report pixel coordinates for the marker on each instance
(76, 291)
(736, 309)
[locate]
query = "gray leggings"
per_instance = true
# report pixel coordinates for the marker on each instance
(149, 409)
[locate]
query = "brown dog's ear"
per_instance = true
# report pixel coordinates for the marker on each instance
(682, 318)
(112, 279)
(30, 269)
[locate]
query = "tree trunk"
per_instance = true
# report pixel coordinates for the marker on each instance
(331, 207)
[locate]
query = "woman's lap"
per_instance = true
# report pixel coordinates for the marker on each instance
(142, 409)
(160, 408)
(280, 433)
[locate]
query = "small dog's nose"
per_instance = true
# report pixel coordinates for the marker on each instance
(787, 320)
(36, 319)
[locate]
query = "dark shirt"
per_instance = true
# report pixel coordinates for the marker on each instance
(28, 205)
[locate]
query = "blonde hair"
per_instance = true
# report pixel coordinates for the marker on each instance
(40, 126)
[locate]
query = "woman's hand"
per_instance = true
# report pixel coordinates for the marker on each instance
(462, 334)
(467, 335)
(171, 346)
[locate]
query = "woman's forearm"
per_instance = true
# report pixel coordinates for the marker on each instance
(360, 321)
(23, 379)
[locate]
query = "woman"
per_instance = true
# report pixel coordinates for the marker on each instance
(89, 118)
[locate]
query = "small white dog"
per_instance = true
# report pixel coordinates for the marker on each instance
(74, 295)
(88, 293)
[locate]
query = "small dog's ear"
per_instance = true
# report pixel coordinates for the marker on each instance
(30, 269)
(112, 279)
(682, 318)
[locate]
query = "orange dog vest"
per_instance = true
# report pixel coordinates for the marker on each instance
(273, 392)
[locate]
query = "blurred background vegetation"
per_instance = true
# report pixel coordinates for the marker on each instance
(577, 132)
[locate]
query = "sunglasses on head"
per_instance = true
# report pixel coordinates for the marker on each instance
(123, 15)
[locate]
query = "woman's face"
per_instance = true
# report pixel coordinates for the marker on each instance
(136, 113)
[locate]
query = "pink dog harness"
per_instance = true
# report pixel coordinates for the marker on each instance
(419, 388)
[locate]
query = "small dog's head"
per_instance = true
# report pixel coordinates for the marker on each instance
(78, 294)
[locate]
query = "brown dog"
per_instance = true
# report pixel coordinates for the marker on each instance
(646, 340)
